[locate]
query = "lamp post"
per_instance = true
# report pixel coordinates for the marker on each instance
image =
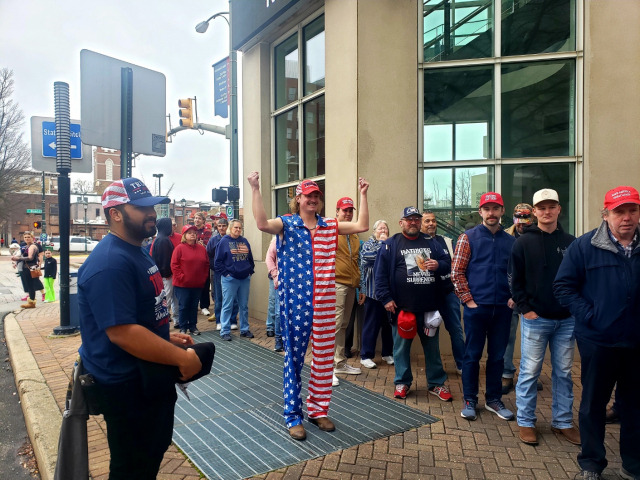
(233, 117)
(85, 205)
(159, 177)
(182, 203)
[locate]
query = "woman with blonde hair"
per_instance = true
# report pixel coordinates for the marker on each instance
(30, 263)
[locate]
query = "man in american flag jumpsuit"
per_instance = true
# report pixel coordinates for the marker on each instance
(306, 261)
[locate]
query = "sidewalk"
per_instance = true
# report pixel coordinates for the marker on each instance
(452, 448)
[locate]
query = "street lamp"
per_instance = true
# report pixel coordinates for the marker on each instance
(159, 177)
(233, 117)
(85, 205)
(183, 203)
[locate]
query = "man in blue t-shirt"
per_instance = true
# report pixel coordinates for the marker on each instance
(125, 322)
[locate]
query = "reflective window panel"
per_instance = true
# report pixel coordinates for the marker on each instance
(314, 56)
(286, 137)
(286, 71)
(314, 156)
(458, 114)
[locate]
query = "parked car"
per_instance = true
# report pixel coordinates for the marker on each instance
(76, 244)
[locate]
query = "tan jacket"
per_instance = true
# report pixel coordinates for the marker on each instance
(347, 268)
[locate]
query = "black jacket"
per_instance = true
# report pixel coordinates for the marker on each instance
(163, 247)
(535, 259)
(50, 267)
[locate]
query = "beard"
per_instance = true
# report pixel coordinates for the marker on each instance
(137, 230)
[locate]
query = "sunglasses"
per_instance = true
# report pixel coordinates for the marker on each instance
(522, 214)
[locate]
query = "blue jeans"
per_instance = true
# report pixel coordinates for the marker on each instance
(234, 289)
(436, 375)
(509, 370)
(536, 335)
(450, 311)
(217, 299)
(490, 324)
(188, 299)
(273, 314)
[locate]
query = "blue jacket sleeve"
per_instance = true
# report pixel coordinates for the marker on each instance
(220, 262)
(569, 281)
(383, 272)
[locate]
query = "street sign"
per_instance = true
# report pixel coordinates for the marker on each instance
(229, 211)
(43, 237)
(82, 163)
(34, 210)
(49, 140)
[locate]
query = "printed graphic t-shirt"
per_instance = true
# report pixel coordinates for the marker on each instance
(416, 286)
(118, 284)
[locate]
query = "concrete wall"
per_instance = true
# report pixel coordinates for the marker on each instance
(612, 101)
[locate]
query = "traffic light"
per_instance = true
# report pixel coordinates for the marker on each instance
(37, 224)
(234, 194)
(186, 112)
(219, 195)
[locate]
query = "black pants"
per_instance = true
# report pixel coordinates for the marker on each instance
(139, 428)
(602, 367)
(28, 283)
(205, 297)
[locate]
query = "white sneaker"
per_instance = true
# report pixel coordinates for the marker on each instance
(205, 311)
(388, 359)
(368, 363)
(219, 327)
(336, 381)
(348, 369)
(234, 326)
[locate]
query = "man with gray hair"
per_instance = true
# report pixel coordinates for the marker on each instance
(598, 282)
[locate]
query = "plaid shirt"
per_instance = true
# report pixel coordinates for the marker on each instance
(461, 258)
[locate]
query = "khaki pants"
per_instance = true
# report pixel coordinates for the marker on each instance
(345, 298)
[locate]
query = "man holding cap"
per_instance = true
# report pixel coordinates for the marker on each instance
(598, 281)
(125, 319)
(479, 275)
(534, 262)
(407, 272)
(347, 280)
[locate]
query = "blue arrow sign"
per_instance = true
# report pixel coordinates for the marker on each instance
(49, 140)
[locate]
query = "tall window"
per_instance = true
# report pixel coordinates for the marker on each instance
(298, 110)
(108, 167)
(499, 105)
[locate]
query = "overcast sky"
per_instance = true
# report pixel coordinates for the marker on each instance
(41, 42)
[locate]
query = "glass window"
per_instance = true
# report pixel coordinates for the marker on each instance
(458, 113)
(520, 182)
(286, 148)
(286, 71)
(538, 26)
(314, 56)
(314, 138)
(538, 104)
(453, 194)
(108, 169)
(457, 29)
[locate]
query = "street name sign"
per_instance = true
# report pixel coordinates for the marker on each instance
(43, 146)
(49, 140)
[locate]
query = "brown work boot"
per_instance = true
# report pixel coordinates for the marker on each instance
(297, 432)
(212, 318)
(507, 385)
(529, 435)
(323, 423)
(30, 304)
(571, 434)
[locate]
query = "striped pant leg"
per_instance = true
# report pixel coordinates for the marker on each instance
(296, 340)
(320, 380)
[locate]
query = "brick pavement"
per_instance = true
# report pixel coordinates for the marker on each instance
(452, 448)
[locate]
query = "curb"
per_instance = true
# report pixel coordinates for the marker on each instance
(41, 412)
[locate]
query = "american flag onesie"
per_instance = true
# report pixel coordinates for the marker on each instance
(307, 296)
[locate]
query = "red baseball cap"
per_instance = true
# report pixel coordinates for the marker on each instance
(186, 228)
(619, 196)
(407, 325)
(344, 203)
(491, 197)
(305, 187)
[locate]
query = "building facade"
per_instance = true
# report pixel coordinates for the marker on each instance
(438, 101)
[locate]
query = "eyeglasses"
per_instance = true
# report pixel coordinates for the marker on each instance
(413, 220)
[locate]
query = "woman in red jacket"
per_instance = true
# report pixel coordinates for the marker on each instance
(190, 267)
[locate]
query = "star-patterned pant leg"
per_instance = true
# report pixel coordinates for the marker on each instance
(296, 340)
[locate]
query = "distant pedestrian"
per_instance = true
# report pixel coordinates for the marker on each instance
(273, 311)
(50, 273)
(203, 234)
(161, 252)
(30, 262)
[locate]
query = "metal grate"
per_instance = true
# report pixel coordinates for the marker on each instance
(233, 426)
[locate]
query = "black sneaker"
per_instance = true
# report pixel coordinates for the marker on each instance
(225, 337)
(246, 334)
(271, 333)
(182, 330)
(195, 331)
(278, 347)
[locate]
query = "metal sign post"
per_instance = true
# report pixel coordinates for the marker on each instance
(126, 117)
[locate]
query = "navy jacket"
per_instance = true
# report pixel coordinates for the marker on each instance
(234, 257)
(601, 288)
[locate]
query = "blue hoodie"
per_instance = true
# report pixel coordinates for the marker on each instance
(234, 257)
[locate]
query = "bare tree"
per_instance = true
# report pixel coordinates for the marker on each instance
(82, 186)
(14, 151)
(463, 188)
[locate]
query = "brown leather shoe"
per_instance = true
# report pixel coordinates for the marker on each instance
(611, 416)
(529, 435)
(323, 423)
(297, 432)
(571, 434)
